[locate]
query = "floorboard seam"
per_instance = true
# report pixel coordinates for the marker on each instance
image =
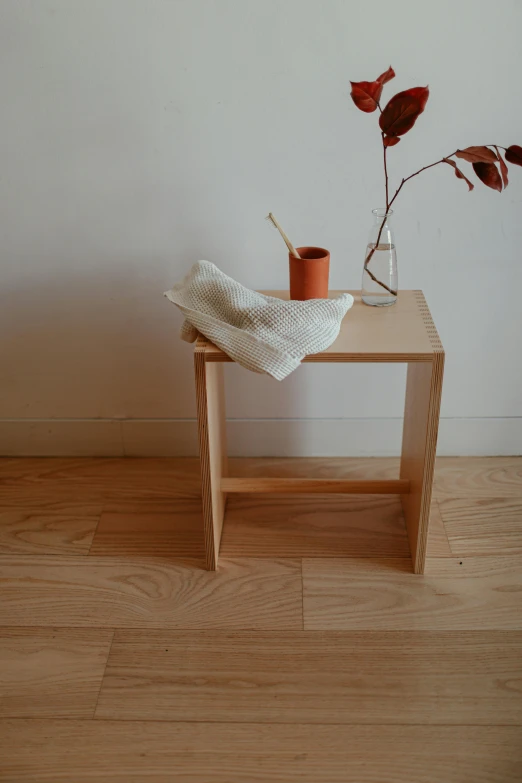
(94, 534)
(302, 598)
(103, 675)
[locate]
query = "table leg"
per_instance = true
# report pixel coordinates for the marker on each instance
(210, 396)
(419, 443)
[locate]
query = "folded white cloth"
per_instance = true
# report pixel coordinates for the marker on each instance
(262, 333)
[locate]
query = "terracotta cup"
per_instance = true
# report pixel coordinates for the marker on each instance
(309, 274)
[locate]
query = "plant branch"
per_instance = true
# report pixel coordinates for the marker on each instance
(370, 256)
(429, 167)
(376, 279)
(390, 202)
(385, 169)
(424, 168)
(388, 205)
(372, 251)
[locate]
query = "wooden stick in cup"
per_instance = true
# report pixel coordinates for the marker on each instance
(289, 245)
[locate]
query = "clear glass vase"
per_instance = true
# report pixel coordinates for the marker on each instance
(380, 279)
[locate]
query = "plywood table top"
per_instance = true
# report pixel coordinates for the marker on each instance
(403, 332)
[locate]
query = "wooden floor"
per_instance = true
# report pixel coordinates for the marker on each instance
(313, 654)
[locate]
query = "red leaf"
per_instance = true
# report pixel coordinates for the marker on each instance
(391, 141)
(488, 174)
(514, 154)
(477, 155)
(366, 95)
(386, 76)
(421, 94)
(401, 112)
(503, 168)
(459, 174)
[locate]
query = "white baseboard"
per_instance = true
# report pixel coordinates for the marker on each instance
(251, 437)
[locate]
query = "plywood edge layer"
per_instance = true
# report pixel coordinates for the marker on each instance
(290, 486)
(214, 354)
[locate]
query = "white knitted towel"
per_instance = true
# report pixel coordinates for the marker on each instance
(262, 333)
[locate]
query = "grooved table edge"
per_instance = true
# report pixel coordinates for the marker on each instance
(424, 320)
(215, 354)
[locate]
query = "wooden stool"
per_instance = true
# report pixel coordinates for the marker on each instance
(404, 332)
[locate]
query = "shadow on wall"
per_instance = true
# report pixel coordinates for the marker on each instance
(90, 367)
(80, 348)
(98, 368)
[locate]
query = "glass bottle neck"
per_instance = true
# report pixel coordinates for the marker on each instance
(380, 215)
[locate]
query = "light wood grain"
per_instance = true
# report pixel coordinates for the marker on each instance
(261, 526)
(290, 486)
(74, 485)
(307, 677)
(149, 593)
(404, 333)
(51, 672)
(32, 470)
(348, 468)
(233, 647)
(178, 534)
(453, 594)
(483, 526)
(111, 752)
(492, 477)
(360, 526)
(142, 506)
(109, 474)
(210, 401)
(28, 531)
(84, 486)
(122, 480)
(49, 500)
(384, 334)
(419, 444)
(505, 566)
(438, 543)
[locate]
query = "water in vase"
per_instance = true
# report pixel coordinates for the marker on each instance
(383, 266)
(380, 278)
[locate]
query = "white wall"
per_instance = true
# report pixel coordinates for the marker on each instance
(141, 135)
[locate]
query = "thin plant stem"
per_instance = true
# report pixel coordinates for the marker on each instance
(388, 205)
(370, 256)
(385, 169)
(424, 168)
